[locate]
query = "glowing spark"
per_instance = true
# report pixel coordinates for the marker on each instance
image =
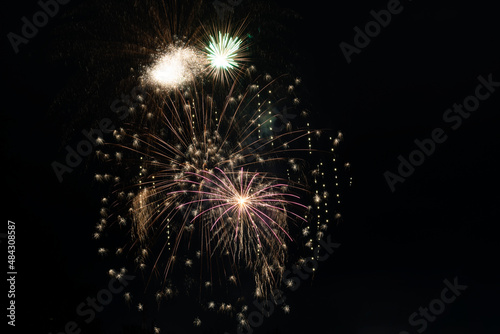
(242, 201)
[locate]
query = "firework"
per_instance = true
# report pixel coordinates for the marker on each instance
(244, 215)
(176, 67)
(214, 181)
(225, 53)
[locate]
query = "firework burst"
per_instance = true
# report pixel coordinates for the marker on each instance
(222, 52)
(241, 215)
(226, 55)
(177, 66)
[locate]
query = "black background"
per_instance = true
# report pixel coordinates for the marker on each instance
(397, 247)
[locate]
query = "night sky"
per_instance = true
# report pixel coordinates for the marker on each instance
(397, 247)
